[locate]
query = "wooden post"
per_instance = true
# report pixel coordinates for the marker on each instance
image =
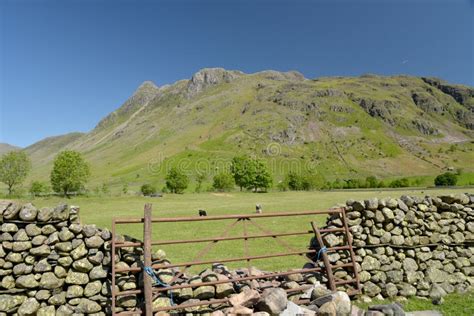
(327, 264)
(147, 280)
(351, 250)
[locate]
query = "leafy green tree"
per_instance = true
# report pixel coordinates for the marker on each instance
(14, 167)
(400, 183)
(176, 181)
(446, 179)
(294, 180)
(338, 184)
(249, 173)
(223, 182)
(243, 170)
(37, 188)
(371, 182)
(200, 178)
(148, 189)
(70, 172)
(263, 179)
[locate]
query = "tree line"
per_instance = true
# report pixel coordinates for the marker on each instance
(246, 172)
(70, 173)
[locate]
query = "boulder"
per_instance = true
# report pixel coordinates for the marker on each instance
(247, 298)
(28, 212)
(29, 307)
(272, 301)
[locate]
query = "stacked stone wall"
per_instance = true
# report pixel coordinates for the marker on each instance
(410, 246)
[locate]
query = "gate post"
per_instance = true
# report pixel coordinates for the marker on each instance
(147, 280)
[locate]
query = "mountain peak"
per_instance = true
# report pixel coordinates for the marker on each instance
(209, 77)
(147, 86)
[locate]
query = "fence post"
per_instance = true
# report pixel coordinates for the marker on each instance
(147, 281)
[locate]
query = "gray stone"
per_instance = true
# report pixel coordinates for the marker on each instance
(407, 290)
(204, 292)
(50, 281)
(370, 263)
(46, 311)
(388, 309)
(272, 301)
(9, 302)
(89, 230)
(82, 265)
(29, 307)
(436, 294)
(79, 252)
(28, 212)
(327, 309)
(58, 299)
(410, 265)
(87, 306)
(78, 278)
(61, 212)
(26, 282)
(45, 214)
(371, 289)
(98, 272)
(74, 291)
(94, 242)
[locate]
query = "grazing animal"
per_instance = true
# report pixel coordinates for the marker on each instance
(258, 209)
(202, 213)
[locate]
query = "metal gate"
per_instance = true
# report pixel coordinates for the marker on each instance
(245, 220)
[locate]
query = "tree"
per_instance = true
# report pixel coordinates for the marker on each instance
(14, 167)
(223, 181)
(37, 188)
(262, 178)
(176, 181)
(249, 173)
(400, 183)
(294, 181)
(371, 182)
(148, 189)
(200, 178)
(70, 172)
(446, 179)
(243, 171)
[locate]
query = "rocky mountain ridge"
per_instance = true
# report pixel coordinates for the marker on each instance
(342, 126)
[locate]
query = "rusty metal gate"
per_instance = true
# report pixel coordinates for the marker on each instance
(147, 290)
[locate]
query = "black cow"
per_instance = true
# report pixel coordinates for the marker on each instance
(202, 213)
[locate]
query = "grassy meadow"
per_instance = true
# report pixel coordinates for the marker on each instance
(101, 210)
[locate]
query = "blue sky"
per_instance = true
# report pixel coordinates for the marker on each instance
(64, 65)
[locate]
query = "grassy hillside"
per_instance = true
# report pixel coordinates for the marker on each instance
(5, 148)
(341, 127)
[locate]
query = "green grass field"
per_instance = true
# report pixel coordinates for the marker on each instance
(101, 210)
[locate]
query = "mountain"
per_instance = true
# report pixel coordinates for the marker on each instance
(340, 126)
(5, 148)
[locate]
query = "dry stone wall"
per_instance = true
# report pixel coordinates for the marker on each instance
(50, 264)
(411, 245)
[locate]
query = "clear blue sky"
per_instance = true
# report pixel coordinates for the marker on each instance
(66, 64)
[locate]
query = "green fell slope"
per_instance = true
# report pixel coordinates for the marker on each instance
(339, 126)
